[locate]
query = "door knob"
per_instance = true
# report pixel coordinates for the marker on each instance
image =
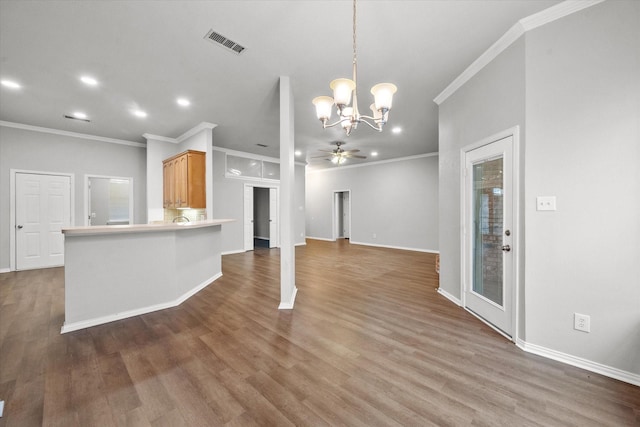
(20, 226)
(506, 248)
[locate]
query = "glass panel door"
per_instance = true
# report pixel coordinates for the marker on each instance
(488, 222)
(488, 235)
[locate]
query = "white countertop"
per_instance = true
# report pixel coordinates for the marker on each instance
(141, 228)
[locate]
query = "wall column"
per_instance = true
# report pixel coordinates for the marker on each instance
(288, 288)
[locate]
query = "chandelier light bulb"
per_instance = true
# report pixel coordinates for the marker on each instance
(324, 105)
(383, 94)
(342, 90)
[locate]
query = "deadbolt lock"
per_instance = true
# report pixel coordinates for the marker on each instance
(507, 233)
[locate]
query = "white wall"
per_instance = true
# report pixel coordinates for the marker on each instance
(572, 85)
(38, 151)
(583, 146)
(397, 201)
(228, 194)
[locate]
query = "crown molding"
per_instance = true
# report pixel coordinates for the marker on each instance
(379, 162)
(522, 26)
(149, 136)
(71, 134)
(202, 126)
(198, 128)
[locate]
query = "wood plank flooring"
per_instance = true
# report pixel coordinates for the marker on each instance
(369, 343)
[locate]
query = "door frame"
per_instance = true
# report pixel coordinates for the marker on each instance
(516, 250)
(12, 206)
(334, 220)
(244, 209)
(87, 177)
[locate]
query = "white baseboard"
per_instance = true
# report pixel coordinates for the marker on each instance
(450, 297)
(289, 305)
(598, 368)
(320, 238)
(70, 327)
(403, 248)
(301, 244)
(5, 270)
(238, 251)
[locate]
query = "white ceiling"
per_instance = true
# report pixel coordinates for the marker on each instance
(145, 54)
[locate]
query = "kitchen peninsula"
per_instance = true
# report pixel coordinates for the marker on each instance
(115, 272)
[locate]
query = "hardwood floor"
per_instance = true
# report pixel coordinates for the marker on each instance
(369, 342)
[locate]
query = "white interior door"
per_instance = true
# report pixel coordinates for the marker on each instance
(274, 226)
(489, 233)
(43, 208)
(248, 218)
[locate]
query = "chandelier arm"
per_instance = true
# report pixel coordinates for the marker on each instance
(378, 128)
(324, 125)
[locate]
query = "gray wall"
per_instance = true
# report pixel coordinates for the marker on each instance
(583, 146)
(37, 151)
(396, 201)
(228, 203)
(580, 143)
(491, 102)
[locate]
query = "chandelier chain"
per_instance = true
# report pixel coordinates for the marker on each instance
(354, 31)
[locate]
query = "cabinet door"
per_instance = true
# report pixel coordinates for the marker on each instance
(182, 182)
(167, 197)
(196, 180)
(168, 184)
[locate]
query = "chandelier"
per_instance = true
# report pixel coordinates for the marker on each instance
(343, 89)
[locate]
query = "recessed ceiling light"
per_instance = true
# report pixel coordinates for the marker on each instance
(10, 84)
(396, 129)
(183, 102)
(139, 113)
(374, 153)
(88, 80)
(79, 115)
(298, 153)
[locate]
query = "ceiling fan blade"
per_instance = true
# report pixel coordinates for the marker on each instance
(358, 157)
(319, 157)
(351, 151)
(326, 151)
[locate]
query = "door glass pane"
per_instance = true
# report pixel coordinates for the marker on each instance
(487, 231)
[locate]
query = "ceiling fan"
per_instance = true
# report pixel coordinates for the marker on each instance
(339, 155)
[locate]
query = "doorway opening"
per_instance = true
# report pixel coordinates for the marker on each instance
(109, 200)
(261, 217)
(342, 214)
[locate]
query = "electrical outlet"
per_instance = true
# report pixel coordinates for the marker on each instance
(581, 322)
(374, 235)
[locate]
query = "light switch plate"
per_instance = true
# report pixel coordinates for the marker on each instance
(546, 203)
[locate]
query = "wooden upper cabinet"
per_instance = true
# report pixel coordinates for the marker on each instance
(184, 181)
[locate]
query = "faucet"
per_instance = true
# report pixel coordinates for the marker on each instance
(182, 218)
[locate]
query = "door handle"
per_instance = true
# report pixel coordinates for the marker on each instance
(19, 226)
(506, 248)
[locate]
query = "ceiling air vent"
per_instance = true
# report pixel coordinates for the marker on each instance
(262, 145)
(221, 40)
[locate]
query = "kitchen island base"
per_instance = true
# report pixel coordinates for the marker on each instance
(115, 273)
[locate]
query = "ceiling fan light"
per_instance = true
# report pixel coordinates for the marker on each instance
(383, 94)
(323, 104)
(342, 89)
